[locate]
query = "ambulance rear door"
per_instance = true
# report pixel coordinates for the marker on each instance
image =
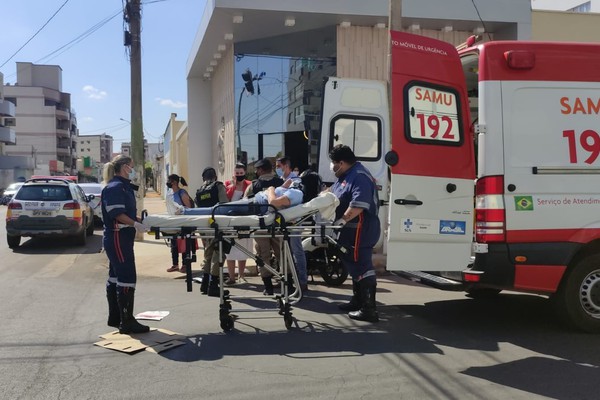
(432, 162)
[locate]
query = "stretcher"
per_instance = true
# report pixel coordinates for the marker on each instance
(311, 219)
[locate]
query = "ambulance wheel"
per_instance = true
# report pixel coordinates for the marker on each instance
(13, 241)
(227, 323)
(578, 299)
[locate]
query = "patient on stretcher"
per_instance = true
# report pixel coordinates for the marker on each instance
(278, 198)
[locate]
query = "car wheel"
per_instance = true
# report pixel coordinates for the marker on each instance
(81, 238)
(90, 229)
(13, 241)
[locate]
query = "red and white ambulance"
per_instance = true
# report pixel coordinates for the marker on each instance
(522, 117)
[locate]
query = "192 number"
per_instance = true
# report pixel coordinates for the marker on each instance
(589, 141)
(430, 127)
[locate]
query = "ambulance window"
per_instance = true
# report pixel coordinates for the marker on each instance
(433, 115)
(361, 134)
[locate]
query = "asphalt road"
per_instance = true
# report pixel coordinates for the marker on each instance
(429, 344)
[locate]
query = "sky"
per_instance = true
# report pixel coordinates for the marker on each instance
(85, 38)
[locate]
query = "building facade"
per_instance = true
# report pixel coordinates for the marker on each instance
(352, 36)
(579, 6)
(11, 168)
(175, 153)
(98, 148)
(45, 125)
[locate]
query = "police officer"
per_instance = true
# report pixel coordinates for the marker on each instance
(357, 214)
(263, 246)
(210, 193)
(120, 226)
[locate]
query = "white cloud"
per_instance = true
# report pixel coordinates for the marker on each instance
(170, 103)
(87, 119)
(93, 93)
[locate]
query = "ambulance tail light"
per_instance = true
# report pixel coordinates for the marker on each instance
(490, 215)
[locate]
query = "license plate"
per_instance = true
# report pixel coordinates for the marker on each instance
(41, 213)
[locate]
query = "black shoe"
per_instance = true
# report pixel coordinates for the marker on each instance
(364, 315)
(268, 286)
(125, 298)
(204, 283)
(114, 319)
(355, 302)
(352, 305)
(368, 310)
(213, 286)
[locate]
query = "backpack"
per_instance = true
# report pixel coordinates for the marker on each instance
(208, 194)
(311, 185)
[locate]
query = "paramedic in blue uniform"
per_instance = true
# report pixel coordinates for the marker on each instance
(120, 226)
(357, 214)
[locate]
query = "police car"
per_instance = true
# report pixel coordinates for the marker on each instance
(49, 207)
(95, 202)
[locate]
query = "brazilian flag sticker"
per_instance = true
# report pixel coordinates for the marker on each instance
(523, 203)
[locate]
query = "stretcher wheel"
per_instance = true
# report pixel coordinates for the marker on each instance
(288, 320)
(227, 323)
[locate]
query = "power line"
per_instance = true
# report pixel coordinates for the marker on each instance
(73, 42)
(79, 38)
(114, 127)
(35, 34)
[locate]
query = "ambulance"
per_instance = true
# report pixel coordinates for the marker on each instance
(487, 165)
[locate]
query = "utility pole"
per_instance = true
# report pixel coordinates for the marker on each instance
(132, 14)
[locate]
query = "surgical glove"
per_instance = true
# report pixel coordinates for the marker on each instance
(340, 222)
(140, 227)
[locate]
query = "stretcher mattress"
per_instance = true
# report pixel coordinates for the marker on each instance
(325, 204)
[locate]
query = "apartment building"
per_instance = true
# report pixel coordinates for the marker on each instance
(98, 148)
(12, 168)
(45, 125)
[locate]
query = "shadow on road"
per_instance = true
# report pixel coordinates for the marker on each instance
(565, 366)
(56, 245)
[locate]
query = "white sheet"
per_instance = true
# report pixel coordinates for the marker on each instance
(325, 204)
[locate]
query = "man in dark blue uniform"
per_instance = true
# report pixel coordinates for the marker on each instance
(120, 226)
(357, 214)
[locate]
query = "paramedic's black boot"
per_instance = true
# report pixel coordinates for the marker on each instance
(114, 319)
(213, 286)
(290, 285)
(368, 310)
(129, 324)
(268, 286)
(355, 302)
(204, 283)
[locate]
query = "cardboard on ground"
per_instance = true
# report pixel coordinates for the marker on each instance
(156, 340)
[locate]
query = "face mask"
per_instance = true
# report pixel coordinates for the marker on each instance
(132, 174)
(240, 178)
(169, 185)
(332, 168)
(279, 172)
